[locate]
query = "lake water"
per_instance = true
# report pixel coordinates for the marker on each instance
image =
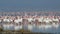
(34, 28)
(45, 30)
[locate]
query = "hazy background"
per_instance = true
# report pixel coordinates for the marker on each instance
(29, 5)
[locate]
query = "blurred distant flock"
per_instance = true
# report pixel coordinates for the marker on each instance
(28, 20)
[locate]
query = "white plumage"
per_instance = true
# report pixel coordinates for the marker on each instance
(30, 19)
(18, 20)
(6, 20)
(56, 19)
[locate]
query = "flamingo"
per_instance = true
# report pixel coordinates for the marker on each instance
(47, 20)
(30, 19)
(55, 19)
(40, 19)
(18, 20)
(6, 20)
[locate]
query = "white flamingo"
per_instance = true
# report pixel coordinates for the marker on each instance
(6, 20)
(47, 20)
(55, 19)
(18, 20)
(40, 19)
(30, 19)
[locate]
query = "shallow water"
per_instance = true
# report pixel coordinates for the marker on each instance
(33, 28)
(51, 29)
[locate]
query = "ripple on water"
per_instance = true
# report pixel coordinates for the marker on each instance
(41, 28)
(50, 29)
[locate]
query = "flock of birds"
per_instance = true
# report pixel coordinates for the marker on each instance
(17, 22)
